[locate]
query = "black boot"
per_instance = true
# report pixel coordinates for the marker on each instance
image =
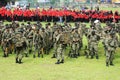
(26, 55)
(20, 61)
(69, 55)
(10, 51)
(97, 57)
(16, 60)
(72, 55)
(62, 61)
(53, 56)
(107, 64)
(38, 54)
(75, 55)
(78, 54)
(15, 51)
(58, 62)
(92, 57)
(30, 51)
(111, 63)
(86, 54)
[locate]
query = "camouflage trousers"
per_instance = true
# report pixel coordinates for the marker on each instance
(38, 49)
(75, 48)
(30, 45)
(19, 55)
(80, 44)
(6, 47)
(60, 52)
(110, 54)
(55, 50)
(93, 47)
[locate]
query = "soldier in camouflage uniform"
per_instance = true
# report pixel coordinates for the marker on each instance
(46, 33)
(75, 43)
(81, 30)
(49, 38)
(37, 41)
(24, 33)
(30, 33)
(118, 30)
(20, 45)
(111, 44)
(42, 41)
(6, 37)
(55, 29)
(56, 33)
(105, 34)
(11, 33)
(60, 48)
(93, 44)
(1, 31)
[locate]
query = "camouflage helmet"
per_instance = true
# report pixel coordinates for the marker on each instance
(42, 29)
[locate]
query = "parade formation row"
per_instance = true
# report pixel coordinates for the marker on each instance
(25, 39)
(55, 15)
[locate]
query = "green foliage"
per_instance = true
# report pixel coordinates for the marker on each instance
(6, 0)
(52, 1)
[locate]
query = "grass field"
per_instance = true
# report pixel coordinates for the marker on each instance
(73, 69)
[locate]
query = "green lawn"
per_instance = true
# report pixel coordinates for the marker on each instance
(109, 8)
(73, 69)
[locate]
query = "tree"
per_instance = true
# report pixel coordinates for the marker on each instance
(4, 2)
(52, 1)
